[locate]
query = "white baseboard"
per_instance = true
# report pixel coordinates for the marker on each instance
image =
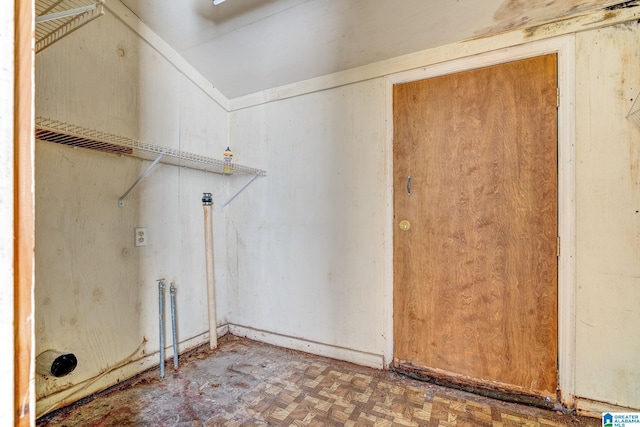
(594, 408)
(320, 349)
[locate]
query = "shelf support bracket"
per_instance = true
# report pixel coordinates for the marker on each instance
(140, 178)
(238, 191)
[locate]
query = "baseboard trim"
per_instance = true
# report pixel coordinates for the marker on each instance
(595, 408)
(321, 349)
(583, 406)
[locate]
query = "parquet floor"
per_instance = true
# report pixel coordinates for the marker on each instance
(246, 383)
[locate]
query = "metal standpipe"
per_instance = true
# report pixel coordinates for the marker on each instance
(161, 323)
(172, 292)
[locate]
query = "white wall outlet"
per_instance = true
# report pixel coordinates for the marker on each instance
(141, 236)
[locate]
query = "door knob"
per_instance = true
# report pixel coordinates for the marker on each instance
(404, 225)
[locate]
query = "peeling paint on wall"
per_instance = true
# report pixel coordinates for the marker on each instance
(624, 5)
(514, 14)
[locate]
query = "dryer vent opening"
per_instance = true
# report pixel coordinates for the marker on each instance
(56, 363)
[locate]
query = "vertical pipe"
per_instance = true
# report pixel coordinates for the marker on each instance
(172, 291)
(161, 319)
(207, 202)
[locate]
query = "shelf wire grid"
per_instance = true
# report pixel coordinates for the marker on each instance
(51, 30)
(68, 134)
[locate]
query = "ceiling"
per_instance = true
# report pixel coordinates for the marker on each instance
(246, 46)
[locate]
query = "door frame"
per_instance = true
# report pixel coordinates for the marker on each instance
(564, 47)
(24, 398)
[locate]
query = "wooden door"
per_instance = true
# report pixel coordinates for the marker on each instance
(475, 262)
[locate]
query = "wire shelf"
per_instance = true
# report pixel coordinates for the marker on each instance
(58, 18)
(64, 133)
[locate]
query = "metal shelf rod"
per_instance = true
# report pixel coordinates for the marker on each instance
(64, 14)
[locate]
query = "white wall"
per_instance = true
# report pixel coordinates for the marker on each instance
(310, 241)
(302, 255)
(608, 211)
(310, 238)
(6, 212)
(96, 293)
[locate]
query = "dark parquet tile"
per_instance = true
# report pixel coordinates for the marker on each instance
(245, 383)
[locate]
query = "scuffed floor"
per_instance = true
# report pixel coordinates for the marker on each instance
(246, 383)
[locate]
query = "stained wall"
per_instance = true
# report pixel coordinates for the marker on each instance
(303, 255)
(310, 238)
(96, 293)
(312, 243)
(608, 216)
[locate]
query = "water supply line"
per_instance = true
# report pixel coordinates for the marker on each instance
(161, 323)
(207, 202)
(172, 291)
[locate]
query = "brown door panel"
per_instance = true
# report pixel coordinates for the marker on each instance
(475, 274)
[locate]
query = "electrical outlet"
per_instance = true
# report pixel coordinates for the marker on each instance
(141, 236)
